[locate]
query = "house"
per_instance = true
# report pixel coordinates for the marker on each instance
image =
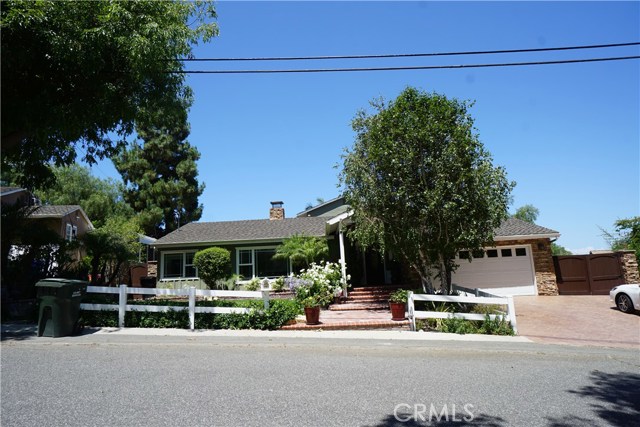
(68, 221)
(520, 263)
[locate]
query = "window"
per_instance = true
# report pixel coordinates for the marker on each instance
(259, 262)
(245, 263)
(505, 252)
(521, 252)
(463, 254)
(71, 233)
(178, 265)
(492, 253)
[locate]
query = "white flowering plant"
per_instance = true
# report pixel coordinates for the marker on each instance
(318, 284)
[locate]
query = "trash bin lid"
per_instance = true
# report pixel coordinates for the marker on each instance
(59, 283)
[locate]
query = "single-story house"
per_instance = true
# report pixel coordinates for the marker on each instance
(520, 263)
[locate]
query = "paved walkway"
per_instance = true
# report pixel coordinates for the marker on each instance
(576, 320)
(352, 319)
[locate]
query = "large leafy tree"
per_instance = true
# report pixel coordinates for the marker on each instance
(110, 248)
(75, 185)
(421, 184)
(160, 173)
(78, 75)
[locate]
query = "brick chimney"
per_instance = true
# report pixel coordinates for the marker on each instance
(277, 211)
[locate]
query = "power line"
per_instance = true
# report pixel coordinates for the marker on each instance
(420, 67)
(413, 55)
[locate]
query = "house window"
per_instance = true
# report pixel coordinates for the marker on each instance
(492, 253)
(505, 252)
(259, 262)
(178, 265)
(245, 263)
(71, 233)
(521, 252)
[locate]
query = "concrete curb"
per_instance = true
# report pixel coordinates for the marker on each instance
(29, 330)
(368, 335)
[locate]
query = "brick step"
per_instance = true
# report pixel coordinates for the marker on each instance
(359, 300)
(377, 293)
(385, 288)
(358, 306)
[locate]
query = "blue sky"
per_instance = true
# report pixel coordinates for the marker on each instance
(569, 135)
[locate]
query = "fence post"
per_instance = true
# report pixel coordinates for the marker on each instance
(412, 318)
(477, 292)
(265, 298)
(512, 314)
(192, 308)
(122, 305)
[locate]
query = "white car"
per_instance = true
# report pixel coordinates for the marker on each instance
(626, 297)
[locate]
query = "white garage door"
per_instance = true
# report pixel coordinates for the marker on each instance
(505, 270)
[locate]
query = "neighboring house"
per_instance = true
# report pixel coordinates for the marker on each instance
(520, 263)
(67, 221)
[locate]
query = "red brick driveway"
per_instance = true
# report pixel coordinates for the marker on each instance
(576, 320)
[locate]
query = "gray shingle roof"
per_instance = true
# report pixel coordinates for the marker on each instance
(248, 230)
(518, 227)
(53, 211)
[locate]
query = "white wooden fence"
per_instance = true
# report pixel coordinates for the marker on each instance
(122, 307)
(504, 301)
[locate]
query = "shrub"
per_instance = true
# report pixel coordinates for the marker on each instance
(278, 285)
(279, 313)
(229, 284)
(213, 264)
(253, 285)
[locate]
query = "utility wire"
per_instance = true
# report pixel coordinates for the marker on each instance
(425, 67)
(412, 55)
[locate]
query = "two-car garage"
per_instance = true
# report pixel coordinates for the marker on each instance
(502, 270)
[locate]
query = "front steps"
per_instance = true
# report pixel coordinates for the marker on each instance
(364, 309)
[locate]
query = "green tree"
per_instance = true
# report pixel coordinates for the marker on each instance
(100, 199)
(76, 74)
(421, 184)
(559, 250)
(527, 213)
(213, 264)
(302, 250)
(111, 247)
(161, 173)
(626, 235)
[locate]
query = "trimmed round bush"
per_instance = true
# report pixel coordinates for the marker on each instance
(213, 264)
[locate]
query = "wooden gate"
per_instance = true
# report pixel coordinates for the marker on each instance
(587, 274)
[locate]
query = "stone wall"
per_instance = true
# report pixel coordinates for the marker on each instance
(629, 266)
(542, 263)
(152, 268)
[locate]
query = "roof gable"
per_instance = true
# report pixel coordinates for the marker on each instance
(513, 227)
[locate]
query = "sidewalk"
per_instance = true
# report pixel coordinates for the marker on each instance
(28, 331)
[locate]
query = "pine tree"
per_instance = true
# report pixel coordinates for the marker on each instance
(160, 173)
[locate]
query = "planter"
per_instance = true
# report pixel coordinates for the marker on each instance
(397, 310)
(313, 315)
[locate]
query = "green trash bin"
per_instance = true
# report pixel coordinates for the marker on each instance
(59, 301)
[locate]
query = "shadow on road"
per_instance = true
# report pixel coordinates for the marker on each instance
(617, 399)
(408, 420)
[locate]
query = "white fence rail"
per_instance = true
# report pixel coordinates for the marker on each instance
(504, 301)
(477, 292)
(123, 290)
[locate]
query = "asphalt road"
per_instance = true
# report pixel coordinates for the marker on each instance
(104, 380)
